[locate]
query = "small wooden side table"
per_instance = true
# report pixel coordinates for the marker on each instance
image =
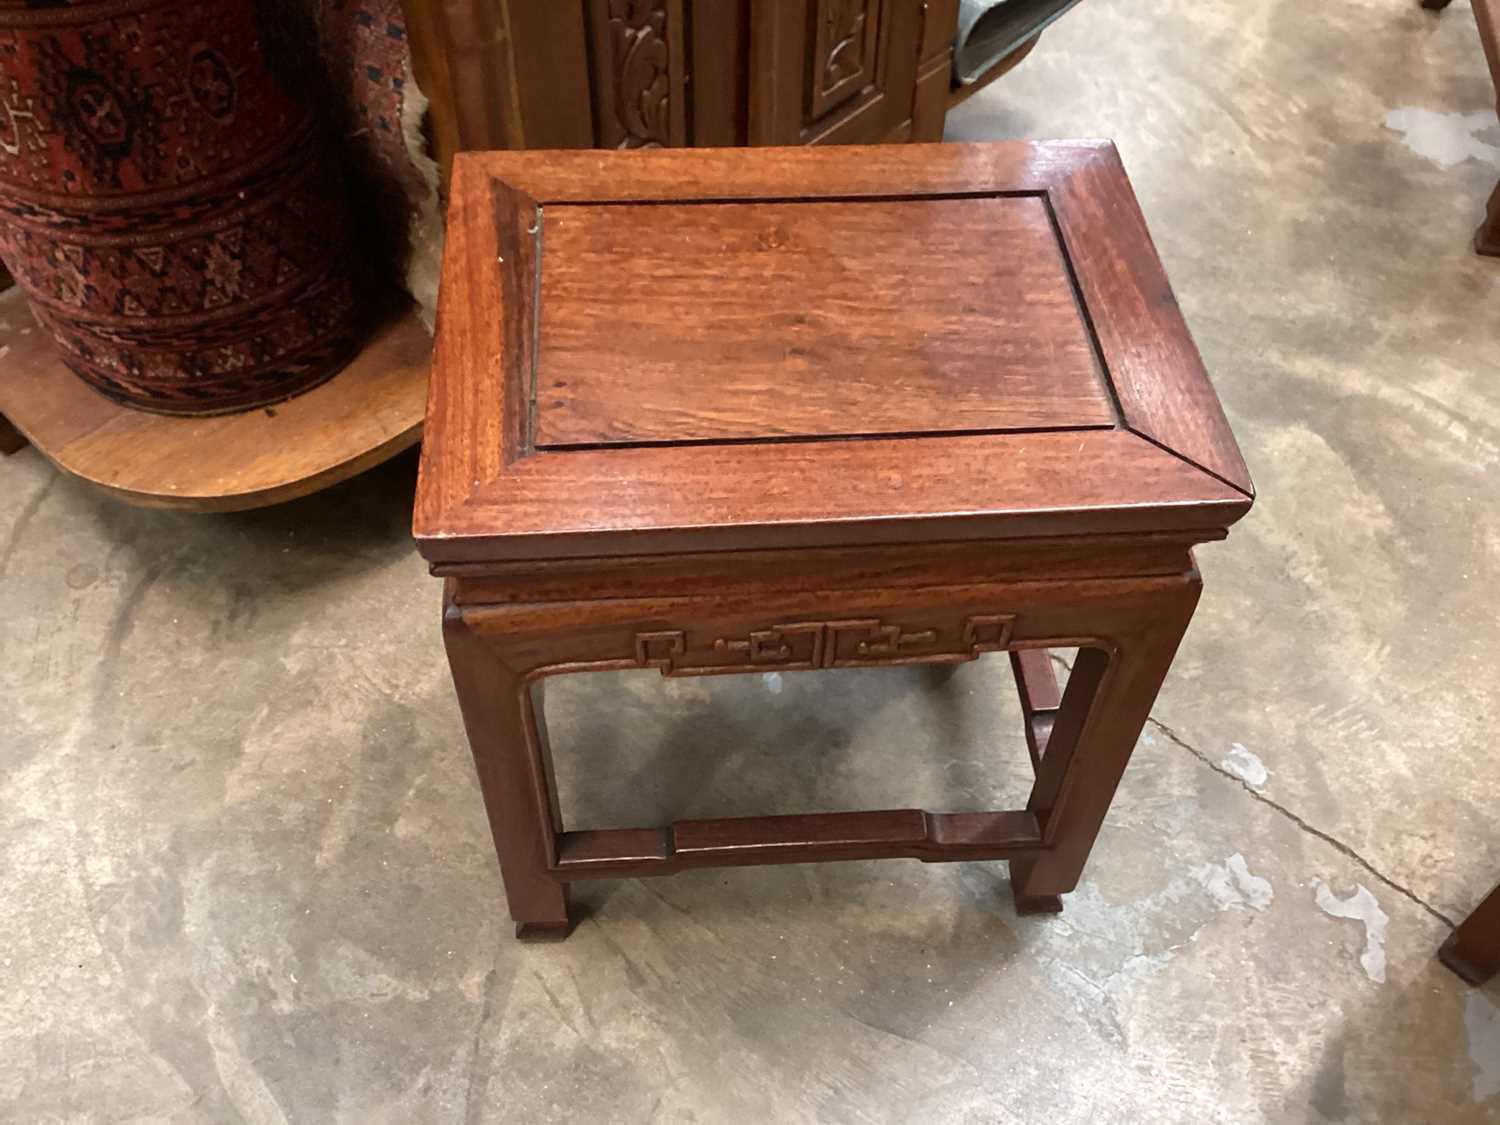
(734, 411)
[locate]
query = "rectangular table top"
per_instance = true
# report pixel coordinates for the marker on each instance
(806, 318)
(642, 352)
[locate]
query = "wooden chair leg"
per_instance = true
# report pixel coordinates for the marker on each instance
(11, 439)
(1105, 705)
(507, 731)
(1473, 950)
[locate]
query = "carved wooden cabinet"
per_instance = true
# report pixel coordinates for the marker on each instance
(671, 73)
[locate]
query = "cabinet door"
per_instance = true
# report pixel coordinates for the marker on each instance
(833, 71)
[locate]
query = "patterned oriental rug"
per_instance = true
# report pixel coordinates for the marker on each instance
(178, 219)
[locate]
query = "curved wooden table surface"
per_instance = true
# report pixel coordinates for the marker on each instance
(367, 413)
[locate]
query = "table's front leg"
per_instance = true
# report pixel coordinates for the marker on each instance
(1473, 950)
(506, 724)
(1104, 708)
(1126, 630)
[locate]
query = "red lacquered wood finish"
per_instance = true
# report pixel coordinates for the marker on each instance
(1037, 684)
(718, 412)
(752, 358)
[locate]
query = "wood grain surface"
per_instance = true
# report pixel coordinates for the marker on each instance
(632, 369)
(705, 413)
(675, 498)
(1126, 629)
(596, 175)
(1154, 364)
(367, 413)
(801, 318)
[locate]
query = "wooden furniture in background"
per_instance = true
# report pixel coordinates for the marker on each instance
(634, 73)
(771, 442)
(1473, 950)
(11, 440)
(371, 411)
(1487, 16)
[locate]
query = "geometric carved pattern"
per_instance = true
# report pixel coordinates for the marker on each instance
(805, 645)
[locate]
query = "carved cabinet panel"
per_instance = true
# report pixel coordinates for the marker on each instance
(678, 72)
(844, 54)
(833, 71)
(638, 73)
(647, 73)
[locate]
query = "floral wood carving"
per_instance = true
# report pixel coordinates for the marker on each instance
(844, 33)
(804, 645)
(642, 71)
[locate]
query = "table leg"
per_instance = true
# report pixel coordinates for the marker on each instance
(1106, 703)
(1473, 950)
(11, 439)
(1487, 237)
(507, 731)
(1487, 17)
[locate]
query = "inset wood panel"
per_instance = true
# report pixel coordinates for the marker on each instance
(863, 343)
(719, 71)
(832, 71)
(939, 19)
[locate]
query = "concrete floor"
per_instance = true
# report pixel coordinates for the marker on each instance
(247, 876)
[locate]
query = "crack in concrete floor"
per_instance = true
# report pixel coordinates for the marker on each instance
(1311, 829)
(1328, 838)
(1305, 825)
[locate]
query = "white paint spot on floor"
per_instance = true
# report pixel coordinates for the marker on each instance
(1445, 139)
(1246, 766)
(1231, 885)
(1482, 1025)
(773, 682)
(1360, 907)
(1098, 953)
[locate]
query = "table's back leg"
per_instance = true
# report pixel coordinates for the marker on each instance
(1487, 237)
(1036, 684)
(11, 439)
(508, 736)
(1473, 950)
(1106, 703)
